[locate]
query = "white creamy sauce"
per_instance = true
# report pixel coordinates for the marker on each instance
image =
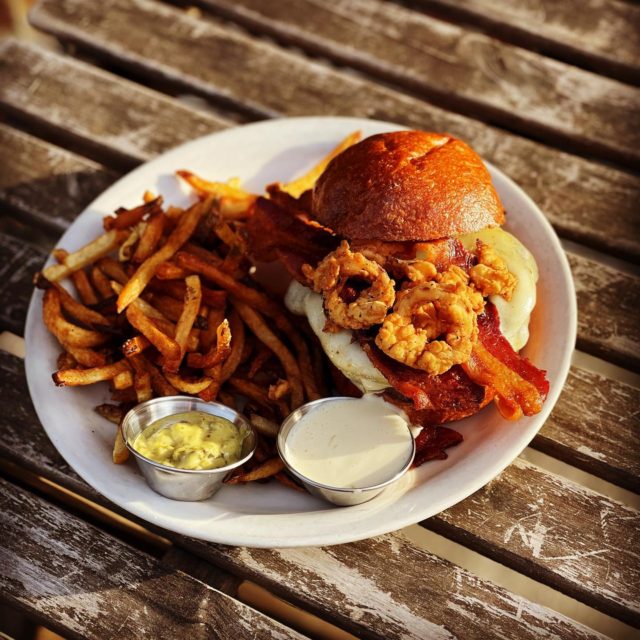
(349, 357)
(350, 443)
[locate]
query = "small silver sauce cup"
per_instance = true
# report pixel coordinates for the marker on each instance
(183, 484)
(341, 496)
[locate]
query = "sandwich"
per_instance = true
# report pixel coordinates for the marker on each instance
(402, 268)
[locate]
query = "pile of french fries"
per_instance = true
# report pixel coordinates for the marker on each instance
(165, 304)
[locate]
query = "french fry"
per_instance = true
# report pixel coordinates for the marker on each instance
(264, 426)
(86, 357)
(237, 346)
(66, 332)
(113, 269)
(125, 218)
(192, 300)
(135, 346)
(79, 279)
(266, 469)
(80, 377)
(128, 246)
(122, 380)
(101, 246)
(263, 356)
(297, 187)
(251, 390)
(78, 311)
(279, 390)
(66, 361)
(160, 384)
(185, 227)
(209, 335)
(171, 307)
(236, 289)
(259, 327)
(120, 452)
(218, 352)
(100, 282)
(150, 238)
(166, 345)
(188, 385)
(170, 271)
(233, 202)
(142, 378)
(111, 412)
(85, 291)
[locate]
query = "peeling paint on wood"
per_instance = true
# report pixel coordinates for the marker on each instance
(119, 121)
(46, 183)
(576, 194)
(18, 262)
(455, 67)
(596, 426)
(608, 304)
(557, 532)
(601, 34)
(87, 584)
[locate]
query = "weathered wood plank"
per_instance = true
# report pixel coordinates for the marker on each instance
(596, 426)
(608, 304)
(454, 67)
(577, 195)
(18, 262)
(603, 35)
(568, 537)
(115, 120)
(313, 577)
(45, 183)
(85, 583)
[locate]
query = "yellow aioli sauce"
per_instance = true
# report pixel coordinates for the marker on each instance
(192, 440)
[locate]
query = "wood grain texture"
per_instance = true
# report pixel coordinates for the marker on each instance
(44, 183)
(84, 583)
(319, 579)
(117, 121)
(604, 439)
(603, 35)
(456, 68)
(18, 262)
(558, 532)
(608, 304)
(586, 201)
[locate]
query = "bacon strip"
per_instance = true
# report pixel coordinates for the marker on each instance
(433, 399)
(275, 232)
(431, 443)
(521, 387)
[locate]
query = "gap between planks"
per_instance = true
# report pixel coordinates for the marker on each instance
(135, 534)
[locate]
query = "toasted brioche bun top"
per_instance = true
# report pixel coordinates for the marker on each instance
(406, 186)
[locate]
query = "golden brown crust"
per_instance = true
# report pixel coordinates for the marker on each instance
(407, 186)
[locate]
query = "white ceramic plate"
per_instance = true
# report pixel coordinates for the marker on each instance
(270, 515)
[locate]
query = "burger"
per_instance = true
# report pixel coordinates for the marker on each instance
(415, 291)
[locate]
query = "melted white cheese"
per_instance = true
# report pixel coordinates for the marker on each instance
(515, 313)
(348, 355)
(340, 347)
(350, 443)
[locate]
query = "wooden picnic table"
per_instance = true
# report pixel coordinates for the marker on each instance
(546, 91)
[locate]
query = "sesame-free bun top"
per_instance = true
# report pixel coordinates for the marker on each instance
(406, 186)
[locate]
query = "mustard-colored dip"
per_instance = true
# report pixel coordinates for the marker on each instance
(191, 440)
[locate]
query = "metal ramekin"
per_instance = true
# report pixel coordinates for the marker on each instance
(341, 496)
(183, 484)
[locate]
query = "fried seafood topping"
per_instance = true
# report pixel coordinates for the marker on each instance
(433, 325)
(357, 292)
(491, 276)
